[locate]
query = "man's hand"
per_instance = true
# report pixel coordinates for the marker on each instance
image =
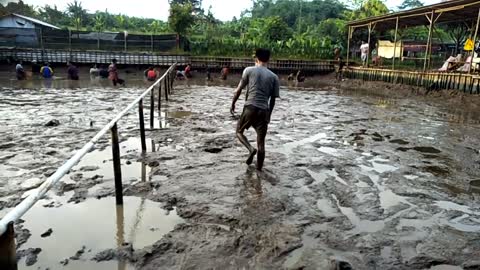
(232, 109)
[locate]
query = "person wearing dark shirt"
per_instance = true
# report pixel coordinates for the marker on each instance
(300, 77)
(35, 67)
(209, 74)
(103, 72)
(72, 72)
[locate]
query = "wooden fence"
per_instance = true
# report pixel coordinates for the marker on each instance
(468, 83)
(136, 58)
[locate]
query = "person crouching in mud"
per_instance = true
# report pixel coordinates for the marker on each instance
(113, 73)
(262, 86)
(151, 74)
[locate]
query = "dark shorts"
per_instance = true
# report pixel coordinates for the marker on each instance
(117, 81)
(256, 118)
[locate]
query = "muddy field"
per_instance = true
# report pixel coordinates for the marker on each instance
(354, 179)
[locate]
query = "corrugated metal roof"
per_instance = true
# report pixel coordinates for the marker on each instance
(35, 21)
(455, 10)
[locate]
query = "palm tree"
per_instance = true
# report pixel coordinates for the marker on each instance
(77, 14)
(121, 22)
(154, 27)
(99, 26)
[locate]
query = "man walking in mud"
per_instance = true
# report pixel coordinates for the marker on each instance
(263, 88)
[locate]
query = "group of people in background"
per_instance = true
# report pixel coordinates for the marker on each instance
(46, 72)
(187, 73)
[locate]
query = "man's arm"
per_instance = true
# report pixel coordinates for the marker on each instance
(272, 104)
(275, 94)
(238, 91)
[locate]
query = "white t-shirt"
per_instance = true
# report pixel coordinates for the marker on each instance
(364, 49)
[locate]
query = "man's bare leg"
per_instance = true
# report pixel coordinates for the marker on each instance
(261, 151)
(241, 137)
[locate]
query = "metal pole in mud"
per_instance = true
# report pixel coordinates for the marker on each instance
(395, 46)
(142, 126)
(474, 42)
(70, 42)
(166, 88)
(348, 44)
(427, 51)
(159, 98)
(120, 218)
(8, 256)
(152, 108)
(368, 42)
(117, 167)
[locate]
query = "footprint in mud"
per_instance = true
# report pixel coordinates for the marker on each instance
(426, 149)
(437, 171)
(377, 137)
(421, 149)
(475, 186)
(399, 141)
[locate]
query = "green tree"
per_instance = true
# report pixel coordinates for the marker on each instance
(458, 32)
(369, 8)
(298, 13)
(122, 23)
(409, 4)
(335, 29)
(53, 15)
(77, 14)
(99, 23)
(196, 4)
(18, 7)
(181, 18)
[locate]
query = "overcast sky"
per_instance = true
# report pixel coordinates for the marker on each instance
(158, 9)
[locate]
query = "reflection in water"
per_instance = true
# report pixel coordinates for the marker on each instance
(120, 234)
(144, 172)
(91, 224)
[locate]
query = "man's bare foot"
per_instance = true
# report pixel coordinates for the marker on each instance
(252, 155)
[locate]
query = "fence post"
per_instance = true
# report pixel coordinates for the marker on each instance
(142, 126)
(159, 97)
(166, 88)
(8, 256)
(41, 45)
(151, 45)
(117, 169)
(70, 42)
(152, 108)
(125, 40)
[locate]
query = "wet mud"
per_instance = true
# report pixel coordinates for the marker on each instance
(352, 180)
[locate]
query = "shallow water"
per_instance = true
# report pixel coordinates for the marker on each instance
(350, 171)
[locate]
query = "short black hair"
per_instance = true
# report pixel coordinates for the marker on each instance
(263, 55)
(114, 60)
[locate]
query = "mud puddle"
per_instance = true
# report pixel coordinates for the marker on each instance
(93, 226)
